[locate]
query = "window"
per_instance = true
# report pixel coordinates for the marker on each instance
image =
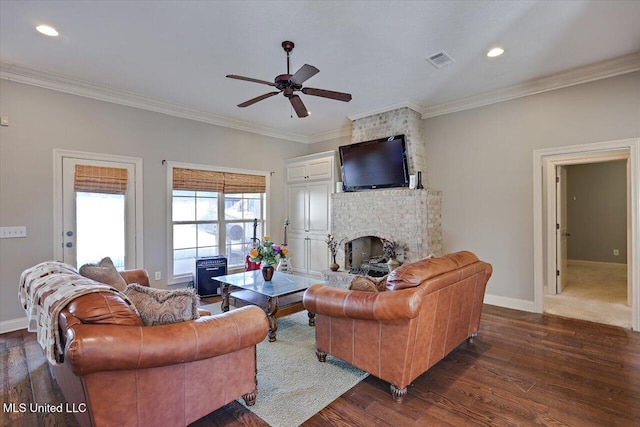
(212, 213)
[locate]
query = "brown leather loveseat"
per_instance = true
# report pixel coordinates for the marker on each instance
(128, 374)
(429, 308)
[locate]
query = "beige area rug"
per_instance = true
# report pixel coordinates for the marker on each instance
(292, 384)
(597, 293)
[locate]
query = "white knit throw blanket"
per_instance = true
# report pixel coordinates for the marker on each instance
(44, 291)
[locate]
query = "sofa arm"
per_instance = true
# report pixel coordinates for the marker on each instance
(92, 348)
(391, 305)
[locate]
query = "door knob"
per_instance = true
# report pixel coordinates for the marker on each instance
(69, 244)
(69, 233)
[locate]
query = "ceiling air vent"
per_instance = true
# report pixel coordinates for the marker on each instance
(440, 59)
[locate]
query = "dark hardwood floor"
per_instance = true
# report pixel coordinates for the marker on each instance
(523, 369)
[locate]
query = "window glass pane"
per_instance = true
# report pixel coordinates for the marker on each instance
(184, 236)
(252, 195)
(184, 193)
(253, 209)
(100, 228)
(184, 209)
(232, 207)
(208, 251)
(206, 194)
(207, 209)
(236, 232)
(235, 255)
(207, 235)
(184, 261)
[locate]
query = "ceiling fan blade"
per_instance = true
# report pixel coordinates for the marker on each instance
(303, 74)
(257, 98)
(249, 79)
(298, 106)
(340, 96)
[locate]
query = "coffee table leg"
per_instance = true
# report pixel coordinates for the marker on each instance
(272, 309)
(224, 290)
(312, 318)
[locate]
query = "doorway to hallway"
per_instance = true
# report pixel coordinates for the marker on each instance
(547, 296)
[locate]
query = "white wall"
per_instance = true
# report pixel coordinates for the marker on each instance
(42, 119)
(481, 159)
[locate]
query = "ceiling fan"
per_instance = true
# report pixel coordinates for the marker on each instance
(288, 84)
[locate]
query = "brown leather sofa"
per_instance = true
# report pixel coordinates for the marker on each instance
(125, 374)
(429, 308)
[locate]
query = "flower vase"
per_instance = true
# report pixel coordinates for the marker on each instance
(267, 272)
(334, 266)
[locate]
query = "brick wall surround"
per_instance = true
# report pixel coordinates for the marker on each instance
(409, 216)
(403, 121)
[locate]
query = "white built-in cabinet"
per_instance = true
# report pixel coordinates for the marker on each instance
(310, 182)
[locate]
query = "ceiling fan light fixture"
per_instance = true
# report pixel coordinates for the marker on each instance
(47, 30)
(495, 52)
(288, 84)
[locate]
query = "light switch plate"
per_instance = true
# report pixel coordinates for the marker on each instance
(13, 232)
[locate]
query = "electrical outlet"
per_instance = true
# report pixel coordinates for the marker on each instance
(158, 275)
(13, 232)
(616, 252)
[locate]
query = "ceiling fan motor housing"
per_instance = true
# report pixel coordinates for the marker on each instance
(289, 83)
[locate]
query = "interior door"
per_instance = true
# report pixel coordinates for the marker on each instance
(561, 228)
(95, 224)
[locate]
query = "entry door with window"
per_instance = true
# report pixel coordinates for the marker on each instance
(98, 212)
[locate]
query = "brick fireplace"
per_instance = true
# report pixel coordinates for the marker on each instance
(411, 217)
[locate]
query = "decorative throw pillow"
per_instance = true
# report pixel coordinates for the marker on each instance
(161, 307)
(362, 283)
(104, 272)
(368, 283)
(104, 308)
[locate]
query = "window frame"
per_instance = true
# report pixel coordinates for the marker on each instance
(185, 278)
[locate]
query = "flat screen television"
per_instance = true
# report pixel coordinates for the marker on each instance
(381, 163)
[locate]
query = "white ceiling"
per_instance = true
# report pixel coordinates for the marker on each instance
(177, 53)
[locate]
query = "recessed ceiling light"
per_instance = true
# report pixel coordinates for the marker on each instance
(496, 51)
(47, 30)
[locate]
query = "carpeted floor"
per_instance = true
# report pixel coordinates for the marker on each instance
(594, 292)
(292, 384)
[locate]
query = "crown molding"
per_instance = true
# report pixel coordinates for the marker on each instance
(78, 87)
(404, 103)
(329, 135)
(600, 70)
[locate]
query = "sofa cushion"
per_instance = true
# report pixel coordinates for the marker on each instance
(412, 274)
(368, 283)
(160, 307)
(104, 308)
(104, 272)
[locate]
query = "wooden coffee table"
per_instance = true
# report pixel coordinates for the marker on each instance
(279, 297)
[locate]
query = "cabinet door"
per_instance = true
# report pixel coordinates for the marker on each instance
(297, 252)
(297, 172)
(297, 207)
(320, 169)
(318, 255)
(319, 207)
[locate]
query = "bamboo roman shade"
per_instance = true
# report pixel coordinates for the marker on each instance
(197, 180)
(219, 182)
(99, 179)
(241, 183)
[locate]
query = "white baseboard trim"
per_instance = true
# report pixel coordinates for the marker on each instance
(13, 325)
(516, 304)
